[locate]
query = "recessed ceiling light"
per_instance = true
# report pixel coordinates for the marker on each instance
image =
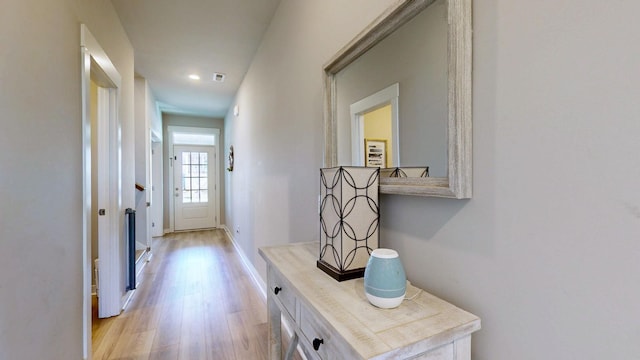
(194, 77)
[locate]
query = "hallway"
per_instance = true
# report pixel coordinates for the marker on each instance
(196, 301)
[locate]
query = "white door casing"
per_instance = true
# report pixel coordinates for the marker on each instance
(157, 226)
(96, 66)
(194, 187)
(386, 96)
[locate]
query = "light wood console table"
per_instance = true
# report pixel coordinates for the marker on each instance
(334, 320)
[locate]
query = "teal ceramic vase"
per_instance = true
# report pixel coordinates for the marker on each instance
(385, 282)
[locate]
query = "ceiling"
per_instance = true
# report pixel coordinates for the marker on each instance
(173, 39)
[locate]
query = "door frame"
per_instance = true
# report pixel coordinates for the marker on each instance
(171, 130)
(157, 188)
(94, 62)
(387, 96)
(177, 177)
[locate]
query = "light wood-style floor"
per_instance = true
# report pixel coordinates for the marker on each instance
(196, 301)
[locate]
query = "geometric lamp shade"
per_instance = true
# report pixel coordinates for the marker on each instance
(349, 220)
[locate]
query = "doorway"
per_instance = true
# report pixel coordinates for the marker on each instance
(194, 191)
(105, 195)
(194, 208)
(101, 186)
(376, 117)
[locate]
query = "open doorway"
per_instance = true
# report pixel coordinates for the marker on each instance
(374, 120)
(102, 191)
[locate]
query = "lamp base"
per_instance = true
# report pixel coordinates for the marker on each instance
(340, 275)
(385, 303)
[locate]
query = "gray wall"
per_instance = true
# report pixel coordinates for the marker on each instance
(191, 121)
(547, 251)
(41, 203)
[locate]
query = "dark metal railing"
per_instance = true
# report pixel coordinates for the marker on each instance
(131, 242)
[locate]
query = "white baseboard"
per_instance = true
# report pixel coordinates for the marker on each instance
(126, 299)
(166, 231)
(257, 280)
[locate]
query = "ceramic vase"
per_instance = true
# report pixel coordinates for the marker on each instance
(385, 282)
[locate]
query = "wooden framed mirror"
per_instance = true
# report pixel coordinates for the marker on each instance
(440, 117)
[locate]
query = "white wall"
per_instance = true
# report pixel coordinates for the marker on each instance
(41, 169)
(142, 146)
(547, 251)
(146, 118)
(156, 117)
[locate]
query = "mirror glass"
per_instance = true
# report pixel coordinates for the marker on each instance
(410, 65)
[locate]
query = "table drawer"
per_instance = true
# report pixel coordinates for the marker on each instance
(282, 291)
(319, 335)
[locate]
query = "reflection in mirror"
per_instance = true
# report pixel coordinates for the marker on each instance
(404, 172)
(423, 47)
(375, 117)
(414, 57)
(377, 127)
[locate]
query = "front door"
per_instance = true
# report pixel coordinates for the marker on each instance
(194, 187)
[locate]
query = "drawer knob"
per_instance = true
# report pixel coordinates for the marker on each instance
(316, 343)
(276, 290)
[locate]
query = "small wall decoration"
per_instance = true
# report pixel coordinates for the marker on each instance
(230, 168)
(375, 153)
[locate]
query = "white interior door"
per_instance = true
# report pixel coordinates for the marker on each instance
(109, 193)
(194, 187)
